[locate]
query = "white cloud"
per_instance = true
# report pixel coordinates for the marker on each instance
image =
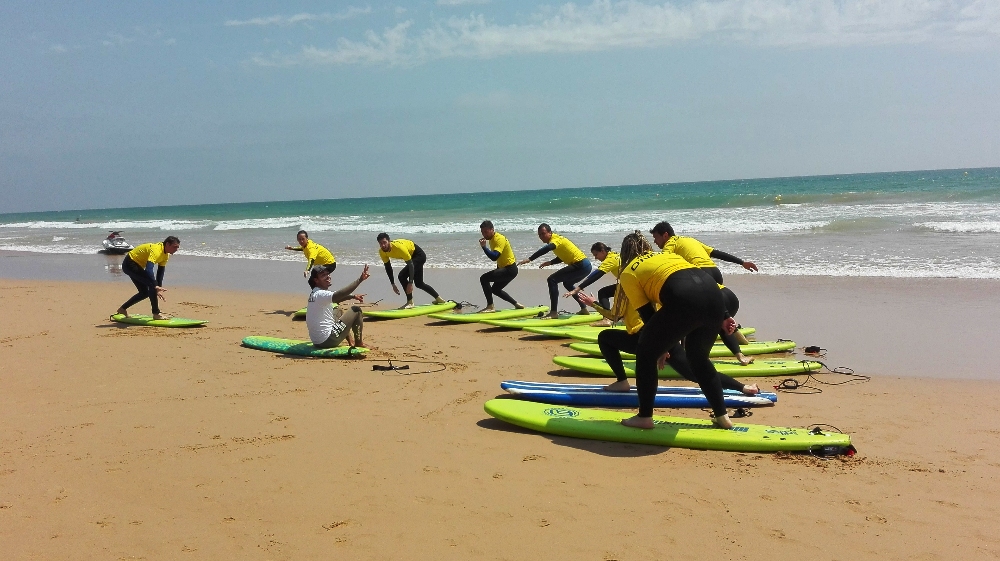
(286, 21)
(460, 2)
(605, 25)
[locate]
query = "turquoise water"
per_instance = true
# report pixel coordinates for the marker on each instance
(943, 223)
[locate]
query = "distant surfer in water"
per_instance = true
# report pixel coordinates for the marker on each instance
(314, 253)
(412, 273)
(691, 306)
(138, 265)
(497, 248)
(328, 324)
(699, 255)
(576, 269)
(610, 263)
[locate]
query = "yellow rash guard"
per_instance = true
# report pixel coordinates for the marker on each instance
(643, 278)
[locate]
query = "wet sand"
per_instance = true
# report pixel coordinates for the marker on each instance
(142, 443)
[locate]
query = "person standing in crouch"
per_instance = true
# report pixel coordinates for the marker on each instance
(138, 265)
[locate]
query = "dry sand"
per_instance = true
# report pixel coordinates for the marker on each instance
(143, 443)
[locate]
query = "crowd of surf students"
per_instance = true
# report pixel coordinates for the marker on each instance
(672, 302)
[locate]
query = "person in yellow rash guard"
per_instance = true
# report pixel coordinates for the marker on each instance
(494, 281)
(695, 252)
(314, 253)
(412, 274)
(692, 307)
(576, 269)
(610, 263)
(138, 265)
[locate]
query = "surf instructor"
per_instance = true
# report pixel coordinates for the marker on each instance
(412, 274)
(138, 265)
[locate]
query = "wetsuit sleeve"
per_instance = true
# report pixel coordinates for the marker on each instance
(149, 270)
(300, 248)
(159, 275)
(716, 254)
(492, 254)
(345, 293)
(545, 249)
(555, 260)
(388, 271)
(646, 312)
(591, 279)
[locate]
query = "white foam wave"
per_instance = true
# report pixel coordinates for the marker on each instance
(176, 225)
(991, 227)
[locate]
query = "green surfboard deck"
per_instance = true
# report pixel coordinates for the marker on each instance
(718, 350)
(680, 432)
(564, 319)
(299, 348)
(415, 311)
(473, 317)
(774, 367)
(590, 336)
(300, 314)
(149, 321)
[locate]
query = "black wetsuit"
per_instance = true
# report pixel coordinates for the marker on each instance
(494, 281)
(414, 268)
(144, 283)
(605, 294)
(613, 342)
(692, 307)
(568, 275)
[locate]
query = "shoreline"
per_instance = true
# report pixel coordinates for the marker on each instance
(924, 327)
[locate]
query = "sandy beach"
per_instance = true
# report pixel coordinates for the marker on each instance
(143, 443)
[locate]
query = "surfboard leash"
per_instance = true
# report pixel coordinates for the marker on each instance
(792, 385)
(396, 369)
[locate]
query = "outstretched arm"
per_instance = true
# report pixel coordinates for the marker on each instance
(748, 265)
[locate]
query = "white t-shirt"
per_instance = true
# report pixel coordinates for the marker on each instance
(322, 317)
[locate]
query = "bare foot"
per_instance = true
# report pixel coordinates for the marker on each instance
(518, 306)
(161, 316)
(551, 316)
(619, 386)
(583, 312)
(722, 422)
(406, 306)
(122, 311)
(638, 422)
(602, 323)
(751, 389)
(744, 360)
(439, 300)
(488, 310)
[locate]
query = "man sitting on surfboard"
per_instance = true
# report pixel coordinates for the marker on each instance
(314, 253)
(138, 265)
(499, 250)
(412, 273)
(328, 324)
(576, 269)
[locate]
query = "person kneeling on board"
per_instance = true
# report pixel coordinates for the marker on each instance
(138, 265)
(328, 324)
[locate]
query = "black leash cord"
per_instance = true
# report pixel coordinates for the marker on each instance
(406, 366)
(791, 385)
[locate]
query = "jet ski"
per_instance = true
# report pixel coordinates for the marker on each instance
(116, 244)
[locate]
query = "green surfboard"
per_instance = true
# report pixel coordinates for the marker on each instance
(415, 311)
(473, 317)
(148, 320)
(299, 348)
(718, 350)
(680, 432)
(775, 367)
(564, 319)
(300, 314)
(590, 335)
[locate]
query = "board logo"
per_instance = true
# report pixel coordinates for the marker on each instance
(560, 412)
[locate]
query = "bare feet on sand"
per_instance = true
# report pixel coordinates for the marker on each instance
(744, 360)
(619, 386)
(751, 389)
(638, 422)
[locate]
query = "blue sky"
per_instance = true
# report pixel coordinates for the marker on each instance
(131, 104)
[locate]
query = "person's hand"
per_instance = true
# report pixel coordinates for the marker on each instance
(359, 297)
(409, 288)
(305, 274)
(586, 299)
(544, 264)
(750, 266)
(364, 273)
(395, 289)
(483, 242)
(662, 361)
(159, 293)
(729, 325)
(524, 262)
(289, 247)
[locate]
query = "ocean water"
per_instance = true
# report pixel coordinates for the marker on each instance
(943, 223)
